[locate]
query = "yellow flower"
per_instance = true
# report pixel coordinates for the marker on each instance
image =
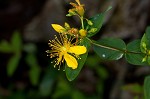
(67, 30)
(58, 28)
(64, 50)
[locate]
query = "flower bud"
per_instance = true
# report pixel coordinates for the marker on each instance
(144, 45)
(83, 32)
(73, 31)
(92, 30)
(67, 26)
(80, 10)
(144, 59)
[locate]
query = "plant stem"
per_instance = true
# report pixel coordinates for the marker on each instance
(112, 48)
(82, 22)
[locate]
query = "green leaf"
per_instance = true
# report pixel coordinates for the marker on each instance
(134, 55)
(16, 41)
(5, 47)
(31, 60)
(143, 44)
(12, 64)
(34, 72)
(97, 22)
(147, 87)
(109, 48)
(73, 73)
(34, 75)
(147, 34)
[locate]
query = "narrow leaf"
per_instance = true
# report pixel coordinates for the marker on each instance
(34, 75)
(12, 64)
(5, 47)
(16, 41)
(34, 72)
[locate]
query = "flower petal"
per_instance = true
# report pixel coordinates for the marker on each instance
(77, 50)
(78, 2)
(71, 61)
(58, 28)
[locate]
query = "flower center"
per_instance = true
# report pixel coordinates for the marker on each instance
(63, 48)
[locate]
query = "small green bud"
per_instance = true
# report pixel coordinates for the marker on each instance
(144, 59)
(69, 15)
(148, 52)
(144, 45)
(71, 12)
(67, 26)
(89, 22)
(92, 30)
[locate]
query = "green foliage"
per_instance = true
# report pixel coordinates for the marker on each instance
(147, 87)
(5, 47)
(147, 34)
(12, 64)
(143, 44)
(16, 42)
(109, 48)
(97, 21)
(34, 72)
(15, 47)
(134, 54)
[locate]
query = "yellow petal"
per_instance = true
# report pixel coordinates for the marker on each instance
(58, 28)
(77, 50)
(73, 4)
(78, 2)
(71, 61)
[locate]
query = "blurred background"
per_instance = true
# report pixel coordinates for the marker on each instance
(26, 71)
